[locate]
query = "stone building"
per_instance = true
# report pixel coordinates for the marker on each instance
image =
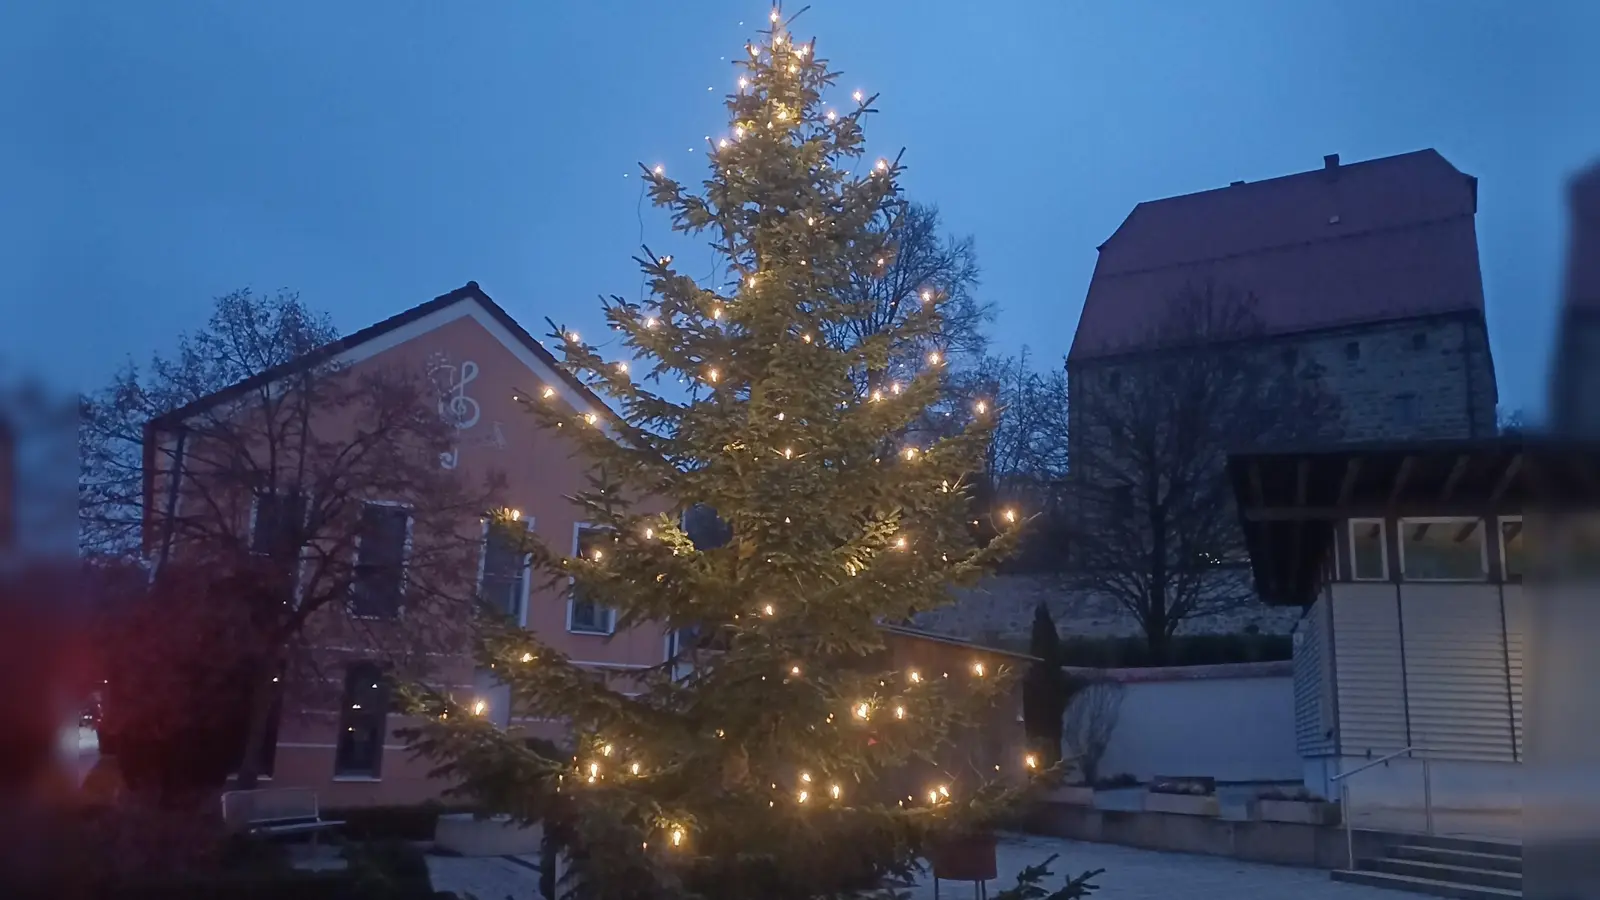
(1368, 270)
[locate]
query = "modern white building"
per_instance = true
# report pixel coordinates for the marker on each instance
(1418, 568)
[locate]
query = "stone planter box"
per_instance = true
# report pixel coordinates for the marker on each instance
(1183, 804)
(464, 835)
(1075, 794)
(1298, 812)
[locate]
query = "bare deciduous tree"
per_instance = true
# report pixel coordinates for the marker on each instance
(1154, 525)
(1090, 719)
(921, 259)
(285, 462)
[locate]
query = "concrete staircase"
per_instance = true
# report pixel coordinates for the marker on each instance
(1462, 868)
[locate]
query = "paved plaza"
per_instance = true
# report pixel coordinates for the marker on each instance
(1130, 875)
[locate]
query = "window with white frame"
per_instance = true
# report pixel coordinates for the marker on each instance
(383, 540)
(1443, 549)
(1369, 552)
(503, 582)
(585, 613)
(1513, 562)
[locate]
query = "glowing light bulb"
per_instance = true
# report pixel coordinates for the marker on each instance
(744, 82)
(716, 313)
(769, 610)
(677, 837)
(835, 791)
(722, 144)
(754, 50)
(773, 15)
(806, 777)
(899, 712)
(634, 768)
(527, 657)
(934, 358)
(622, 367)
(793, 69)
(738, 132)
(516, 515)
(1010, 515)
(927, 296)
(597, 555)
(712, 374)
(982, 407)
(479, 707)
(572, 336)
(659, 169)
(911, 453)
(915, 676)
(801, 797)
(788, 452)
(880, 260)
(863, 710)
(783, 114)
(806, 337)
(858, 96)
(651, 322)
(876, 396)
(1031, 761)
(900, 543)
(751, 281)
(591, 418)
(933, 796)
(894, 388)
(606, 750)
(649, 533)
(882, 165)
(831, 115)
(803, 49)
(547, 393)
(977, 669)
(944, 790)
(795, 671)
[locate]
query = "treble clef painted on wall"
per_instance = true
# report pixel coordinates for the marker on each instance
(454, 405)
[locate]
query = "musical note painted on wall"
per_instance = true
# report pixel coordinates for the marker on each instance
(455, 406)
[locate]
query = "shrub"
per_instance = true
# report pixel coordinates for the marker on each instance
(1186, 650)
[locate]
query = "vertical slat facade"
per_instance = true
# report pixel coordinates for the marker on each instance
(1313, 713)
(1455, 662)
(1369, 669)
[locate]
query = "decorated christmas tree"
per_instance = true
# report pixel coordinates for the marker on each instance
(770, 758)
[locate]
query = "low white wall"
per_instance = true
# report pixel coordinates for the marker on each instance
(1234, 723)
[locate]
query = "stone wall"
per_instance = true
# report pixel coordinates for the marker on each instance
(1407, 380)
(1001, 608)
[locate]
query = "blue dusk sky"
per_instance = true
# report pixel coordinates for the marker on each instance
(373, 155)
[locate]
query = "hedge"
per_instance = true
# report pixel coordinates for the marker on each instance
(1186, 650)
(390, 823)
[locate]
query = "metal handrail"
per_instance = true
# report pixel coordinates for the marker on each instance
(1377, 762)
(1344, 795)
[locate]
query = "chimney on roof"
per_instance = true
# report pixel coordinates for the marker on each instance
(1235, 184)
(1330, 166)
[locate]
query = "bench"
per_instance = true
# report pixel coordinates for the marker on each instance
(274, 812)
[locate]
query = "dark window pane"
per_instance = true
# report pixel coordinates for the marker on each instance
(363, 713)
(1449, 550)
(1514, 561)
(1352, 350)
(1367, 550)
(504, 568)
(380, 561)
(587, 613)
(278, 520)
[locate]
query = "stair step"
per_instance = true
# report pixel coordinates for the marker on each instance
(1469, 859)
(1442, 872)
(1469, 845)
(1430, 886)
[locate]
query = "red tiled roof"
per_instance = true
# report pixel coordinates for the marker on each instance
(1384, 239)
(1583, 248)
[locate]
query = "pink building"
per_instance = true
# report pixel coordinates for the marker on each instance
(483, 360)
